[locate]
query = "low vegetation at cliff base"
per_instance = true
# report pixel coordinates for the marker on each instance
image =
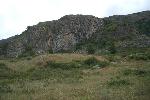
(74, 77)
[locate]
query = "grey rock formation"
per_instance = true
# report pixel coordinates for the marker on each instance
(65, 33)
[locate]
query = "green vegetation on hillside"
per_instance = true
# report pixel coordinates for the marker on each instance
(27, 52)
(143, 26)
(114, 64)
(74, 77)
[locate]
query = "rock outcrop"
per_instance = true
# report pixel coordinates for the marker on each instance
(66, 33)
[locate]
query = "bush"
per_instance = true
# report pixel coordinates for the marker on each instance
(2, 65)
(143, 26)
(113, 58)
(64, 51)
(112, 48)
(88, 63)
(29, 58)
(64, 66)
(92, 61)
(137, 72)
(5, 88)
(3, 69)
(3, 48)
(139, 56)
(90, 48)
(50, 51)
(28, 52)
(118, 82)
(147, 55)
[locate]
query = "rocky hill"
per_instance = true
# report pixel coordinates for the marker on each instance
(81, 33)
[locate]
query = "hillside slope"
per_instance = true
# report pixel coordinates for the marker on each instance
(74, 77)
(76, 33)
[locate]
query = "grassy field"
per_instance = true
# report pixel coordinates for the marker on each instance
(74, 77)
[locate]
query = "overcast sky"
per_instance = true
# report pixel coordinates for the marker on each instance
(16, 15)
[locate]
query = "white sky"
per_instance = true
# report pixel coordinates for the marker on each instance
(16, 15)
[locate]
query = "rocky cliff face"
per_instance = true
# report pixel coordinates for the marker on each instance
(66, 33)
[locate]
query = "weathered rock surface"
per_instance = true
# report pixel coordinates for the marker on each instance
(65, 33)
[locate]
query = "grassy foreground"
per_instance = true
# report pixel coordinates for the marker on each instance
(74, 77)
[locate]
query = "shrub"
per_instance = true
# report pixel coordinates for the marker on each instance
(137, 72)
(111, 58)
(3, 69)
(64, 51)
(88, 63)
(29, 58)
(143, 26)
(28, 51)
(110, 26)
(90, 48)
(2, 65)
(139, 56)
(118, 82)
(50, 51)
(64, 66)
(5, 88)
(3, 48)
(92, 61)
(112, 48)
(148, 55)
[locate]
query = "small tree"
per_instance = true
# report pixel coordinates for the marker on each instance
(90, 48)
(50, 51)
(28, 51)
(112, 48)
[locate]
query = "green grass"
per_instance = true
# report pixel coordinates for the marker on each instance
(72, 77)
